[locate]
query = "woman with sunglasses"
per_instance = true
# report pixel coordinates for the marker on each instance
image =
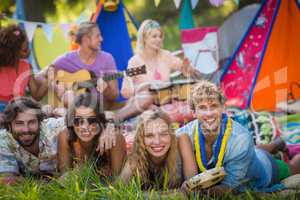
(85, 122)
(157, 158)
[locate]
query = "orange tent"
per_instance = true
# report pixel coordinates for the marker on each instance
(281, 62)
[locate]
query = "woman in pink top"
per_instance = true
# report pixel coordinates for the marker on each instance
(159, 64)
(15, 71)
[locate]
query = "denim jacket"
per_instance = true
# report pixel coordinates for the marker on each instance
(245, 165)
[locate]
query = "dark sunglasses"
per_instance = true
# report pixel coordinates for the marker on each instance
(79, 121)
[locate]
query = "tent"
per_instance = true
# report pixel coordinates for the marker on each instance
(117, 40)
(264, 67)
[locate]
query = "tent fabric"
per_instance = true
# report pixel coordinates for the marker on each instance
(240, 74)
(280, 65)
(116, 38)
(264, 64)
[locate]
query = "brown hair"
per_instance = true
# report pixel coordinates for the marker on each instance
(12, 38)
(21, 104)
(89, 100)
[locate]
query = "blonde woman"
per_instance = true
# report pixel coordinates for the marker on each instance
(156, 158)
(159, 63)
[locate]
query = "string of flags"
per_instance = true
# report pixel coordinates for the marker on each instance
(48, 28)
(194, 3)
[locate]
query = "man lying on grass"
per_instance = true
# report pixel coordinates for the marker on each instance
(218, 141)
(27, 144)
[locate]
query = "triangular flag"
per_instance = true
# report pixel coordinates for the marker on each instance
(237, 2)
(177, 3)
(83, 17)
(65, 29)
(156, 2)
(216, 3)
(194, 3)
(30, 29)
(186, 16)
(48, 29)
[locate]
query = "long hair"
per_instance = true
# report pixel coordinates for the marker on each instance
(12, 38)
(140, 159)
(146, 27)
(89, 100)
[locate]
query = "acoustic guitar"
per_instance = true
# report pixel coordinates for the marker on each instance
(83, 79)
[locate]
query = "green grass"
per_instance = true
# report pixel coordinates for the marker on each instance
(85, 184)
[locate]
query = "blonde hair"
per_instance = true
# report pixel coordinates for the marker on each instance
(140, 161)
(146, 27)
(205, 90)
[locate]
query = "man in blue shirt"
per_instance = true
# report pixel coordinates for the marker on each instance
(219, 141)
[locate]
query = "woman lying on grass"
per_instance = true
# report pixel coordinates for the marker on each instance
(77, 143)
(156, 160)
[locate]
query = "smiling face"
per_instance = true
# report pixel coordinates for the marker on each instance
(86, 126)
(209, 113)
(154, 39)
(25, 128)
(157, 138)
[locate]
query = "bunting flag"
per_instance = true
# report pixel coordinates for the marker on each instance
(177, 3)
(186, 17)
(194, 3)
(66, 29)
(237, 2)
(216, 3)
(156, 2)
(30, 29)
(48, 29)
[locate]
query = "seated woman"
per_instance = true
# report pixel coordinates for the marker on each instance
(156, 158)
(159, 65)
(16, 77)
(77, 143)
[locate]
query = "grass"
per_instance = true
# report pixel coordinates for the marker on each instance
(86, 184)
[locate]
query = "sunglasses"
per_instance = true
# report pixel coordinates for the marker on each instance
(79, 121)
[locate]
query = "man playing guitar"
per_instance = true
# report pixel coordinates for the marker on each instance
(90, 57)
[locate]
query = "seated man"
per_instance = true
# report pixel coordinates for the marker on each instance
(221, 142)
(28, 144)
(88, 57)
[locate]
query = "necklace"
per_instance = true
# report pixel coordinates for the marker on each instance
(219, 152)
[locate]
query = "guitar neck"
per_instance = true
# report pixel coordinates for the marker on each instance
(109, 77)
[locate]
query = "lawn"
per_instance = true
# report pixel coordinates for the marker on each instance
(86, 184)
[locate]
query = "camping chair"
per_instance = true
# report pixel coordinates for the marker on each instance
(200, 46)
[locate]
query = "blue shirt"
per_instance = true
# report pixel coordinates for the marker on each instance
(245, 165)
